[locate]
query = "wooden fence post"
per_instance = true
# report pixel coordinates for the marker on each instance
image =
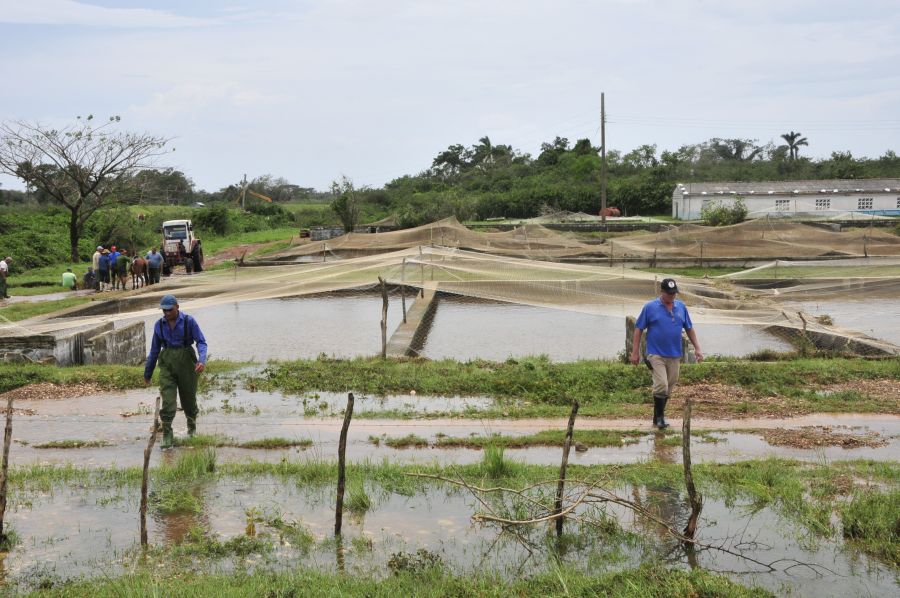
(342, 451)
(4, 468)
(384, 310)
(560, 486)
(694, 496)
(146, 476)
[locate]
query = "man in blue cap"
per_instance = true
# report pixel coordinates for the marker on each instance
(663, 318)
(173, 337)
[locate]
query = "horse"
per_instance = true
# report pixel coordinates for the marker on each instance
(138, 272)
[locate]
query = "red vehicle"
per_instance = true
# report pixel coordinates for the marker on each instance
(610, 211)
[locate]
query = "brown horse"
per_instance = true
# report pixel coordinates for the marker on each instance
(138, 271)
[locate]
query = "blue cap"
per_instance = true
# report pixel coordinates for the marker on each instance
(168, 302)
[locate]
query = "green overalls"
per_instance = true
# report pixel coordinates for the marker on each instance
(177, 375)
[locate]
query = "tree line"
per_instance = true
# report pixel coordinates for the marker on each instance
(88, 166)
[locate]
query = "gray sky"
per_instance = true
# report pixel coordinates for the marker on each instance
(374, 89)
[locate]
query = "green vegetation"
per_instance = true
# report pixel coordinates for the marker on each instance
(872, 521)
(176, 486)
(537, 387)
(358, 500)
(16, 312)
(718, 213)
(71, 444)
(648, 580)
(218, 440)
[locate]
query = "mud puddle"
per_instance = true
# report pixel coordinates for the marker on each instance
(70, 532)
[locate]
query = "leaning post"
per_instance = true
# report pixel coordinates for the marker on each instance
(4, 469)
(342, 453)
(561, 484)
(695, 497)
(403, 288)
(146, 476)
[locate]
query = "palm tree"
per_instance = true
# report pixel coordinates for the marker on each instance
(794, 141)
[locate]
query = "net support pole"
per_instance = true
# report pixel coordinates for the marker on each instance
(561, 484)
(146, 474)
(403, 288)
(342, 454)
(384, 311)
(4, 467)
(422, 271)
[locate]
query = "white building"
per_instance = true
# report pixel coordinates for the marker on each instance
(832, 198)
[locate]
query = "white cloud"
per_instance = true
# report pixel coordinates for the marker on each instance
(69, 12)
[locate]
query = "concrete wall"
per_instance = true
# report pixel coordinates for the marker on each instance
(81, 346)
(122, 346)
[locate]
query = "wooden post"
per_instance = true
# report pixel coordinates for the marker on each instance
(701, 254)
(384, 310)
(610, 253)
(4, 468)
(403, 289)
(866, 245)
(560, 486)
(342, 450)
(144, 480)
(422, 271)
(324, 247)
(695, 497)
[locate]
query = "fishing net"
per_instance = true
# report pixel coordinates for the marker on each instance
(587, 288)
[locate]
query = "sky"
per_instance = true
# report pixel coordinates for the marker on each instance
(311, 90)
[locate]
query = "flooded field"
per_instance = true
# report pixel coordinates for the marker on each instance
(877, 317)
(293, 328)
(465, 329)
(120, 421)
(77, 531)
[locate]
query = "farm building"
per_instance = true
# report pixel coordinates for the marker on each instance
(831, 198)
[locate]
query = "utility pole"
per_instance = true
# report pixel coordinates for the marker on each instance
(602, 158)
(243, 191)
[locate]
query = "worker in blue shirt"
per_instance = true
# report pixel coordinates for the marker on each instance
(179, 367)
(663, 318)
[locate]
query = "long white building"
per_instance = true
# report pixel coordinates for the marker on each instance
(832, 198)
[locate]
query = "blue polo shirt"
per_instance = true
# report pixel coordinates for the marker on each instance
(174, 338)
(664, 327)
(154, 260)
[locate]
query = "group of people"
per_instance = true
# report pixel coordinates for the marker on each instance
(111, 267)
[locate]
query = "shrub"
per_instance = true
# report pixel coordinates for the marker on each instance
(717, 213)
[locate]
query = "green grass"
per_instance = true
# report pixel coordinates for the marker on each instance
(592, 438)
(71, 444)
(694, 271)
(219, 440)
(536, 387)
(871, 520)
(651, 579)
(358, 500)
(17, 312)
(214, 244)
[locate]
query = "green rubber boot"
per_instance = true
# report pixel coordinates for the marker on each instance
(192, 426)
(168, 439)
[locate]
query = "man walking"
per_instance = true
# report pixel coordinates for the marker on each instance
(173, 337)
(123, 267)
(4, 273)
(104, 270)
(111, 258)
(663, 318)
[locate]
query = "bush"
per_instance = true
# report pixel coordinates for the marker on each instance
(717, 213)
(213, 220)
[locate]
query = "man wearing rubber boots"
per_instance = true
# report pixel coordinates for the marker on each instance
(663, 318)
(173, 337)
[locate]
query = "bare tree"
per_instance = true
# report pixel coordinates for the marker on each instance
(79, 165)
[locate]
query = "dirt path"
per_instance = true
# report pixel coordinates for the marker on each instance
(235, 253)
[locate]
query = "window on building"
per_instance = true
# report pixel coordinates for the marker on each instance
(864, 203)
(898, 203)
(823, 204)
(782, 205)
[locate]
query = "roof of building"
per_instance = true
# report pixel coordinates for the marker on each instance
(788, 187)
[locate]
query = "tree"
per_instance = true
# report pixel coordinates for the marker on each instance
(345, 203)
(794, 141)
(81, 165)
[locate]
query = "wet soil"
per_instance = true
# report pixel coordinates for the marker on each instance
(817, 436)
(122, 419)
(50, 391)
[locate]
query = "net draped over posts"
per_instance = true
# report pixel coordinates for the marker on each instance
(520, 267)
